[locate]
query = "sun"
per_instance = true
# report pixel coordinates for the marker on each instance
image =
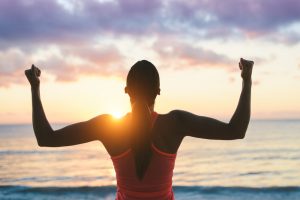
(117, 114)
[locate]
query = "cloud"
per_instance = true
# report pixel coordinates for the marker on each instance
(50, 21)
(74, 27)
(253, 18)
(53, 21)
(180, 55)
(63, 63)
(11, 62)
(88, 61)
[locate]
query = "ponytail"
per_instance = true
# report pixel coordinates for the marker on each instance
(141, 144)
(142, 87)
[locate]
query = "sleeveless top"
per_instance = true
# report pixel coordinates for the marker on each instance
(157, 181)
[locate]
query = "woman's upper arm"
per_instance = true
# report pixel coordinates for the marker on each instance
(204, 127)
(78, 133)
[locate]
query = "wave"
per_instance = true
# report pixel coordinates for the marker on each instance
(218, 189)
(181, 192)
(25, 189)
(109, 188)
(25, 152)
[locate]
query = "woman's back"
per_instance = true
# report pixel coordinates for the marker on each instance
(157, 181)
(165, 134)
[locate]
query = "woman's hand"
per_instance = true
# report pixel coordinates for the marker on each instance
(33, 75)
(246, 68)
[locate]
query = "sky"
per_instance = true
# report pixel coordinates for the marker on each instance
(85, 49)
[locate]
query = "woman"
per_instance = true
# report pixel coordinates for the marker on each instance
(143, 144)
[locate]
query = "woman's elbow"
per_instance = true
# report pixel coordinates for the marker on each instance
(44, 138)
(240, 134)
(44, 142)
(238, 130)
(237, 133)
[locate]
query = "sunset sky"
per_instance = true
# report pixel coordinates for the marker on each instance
(85, 49)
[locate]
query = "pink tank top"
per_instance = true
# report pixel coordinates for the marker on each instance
(157, 181)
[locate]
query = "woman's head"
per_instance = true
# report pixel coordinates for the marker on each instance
(143, 82)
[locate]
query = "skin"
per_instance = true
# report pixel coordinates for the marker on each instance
(167, 133)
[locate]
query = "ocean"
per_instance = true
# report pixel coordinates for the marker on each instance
(265, 165)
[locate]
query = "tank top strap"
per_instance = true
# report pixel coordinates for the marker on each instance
(154, 117)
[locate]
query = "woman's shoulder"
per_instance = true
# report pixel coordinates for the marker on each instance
(172, 116)
(171, 120)
(169, 129)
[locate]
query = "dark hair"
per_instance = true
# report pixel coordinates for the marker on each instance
(143, 81)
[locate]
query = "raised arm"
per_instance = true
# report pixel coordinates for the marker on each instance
(70, 135)
(209, 128)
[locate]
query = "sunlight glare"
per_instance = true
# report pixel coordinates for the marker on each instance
(117, 114)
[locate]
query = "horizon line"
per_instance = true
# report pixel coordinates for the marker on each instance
(254, 119)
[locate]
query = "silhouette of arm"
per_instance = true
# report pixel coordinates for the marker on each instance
(209, 128)
(70, 135)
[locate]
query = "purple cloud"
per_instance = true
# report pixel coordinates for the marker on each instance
(180, 55)
(105, 61)
(67, 65)
(49, 20)
(257, 16)
(27, 26)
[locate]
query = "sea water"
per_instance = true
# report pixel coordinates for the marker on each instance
(264, 165)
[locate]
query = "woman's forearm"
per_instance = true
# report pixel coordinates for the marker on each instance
(240, 119)
(41, 126)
